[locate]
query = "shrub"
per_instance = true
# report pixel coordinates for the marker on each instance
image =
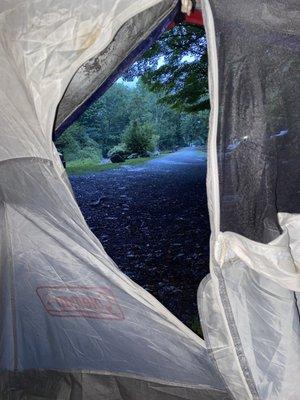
(118, 153)
(89, 153)
(75, 144)
(68, 145)
(120, 149)
(139, 138)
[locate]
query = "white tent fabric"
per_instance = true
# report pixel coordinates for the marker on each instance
(72, 326)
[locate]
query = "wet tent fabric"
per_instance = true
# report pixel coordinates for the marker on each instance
(70, 315)
(96, 75)
(72, 326)
(249, 305)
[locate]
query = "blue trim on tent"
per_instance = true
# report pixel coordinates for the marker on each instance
(123, 66)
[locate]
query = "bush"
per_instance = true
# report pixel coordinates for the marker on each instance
(89, 153)
(68, 145)
(118, 153)
(119, 149)
(75, 144)
(139, 138)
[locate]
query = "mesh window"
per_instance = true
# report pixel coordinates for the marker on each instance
(258, 127)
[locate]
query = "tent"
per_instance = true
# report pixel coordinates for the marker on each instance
(72, 325)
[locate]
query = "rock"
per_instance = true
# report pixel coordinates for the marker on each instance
(145, 154)
(133, 155)
(117, 158)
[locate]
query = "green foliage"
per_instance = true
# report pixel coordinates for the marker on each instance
(89, 152)
(170, 102)
(80, 167)
(106, 119)
(176, 68)
(105, 123)
(75, 143)
(139, 138)
(119, 149)
(67, 143)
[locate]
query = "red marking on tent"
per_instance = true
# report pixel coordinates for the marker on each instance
(195, 18)
(80, 301)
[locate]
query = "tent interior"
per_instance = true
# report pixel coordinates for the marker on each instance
(72, 325)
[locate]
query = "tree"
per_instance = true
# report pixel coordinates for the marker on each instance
(75, 143)
(176, 68)
(139, 138)
(104, 123)
(194, 127)
(106, 119)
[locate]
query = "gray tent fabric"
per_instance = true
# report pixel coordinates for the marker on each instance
(90, 76)
(248, 306)
(70, 312)
(72, 325)
(258, 131)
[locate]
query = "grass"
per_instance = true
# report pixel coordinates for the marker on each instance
(80, 167)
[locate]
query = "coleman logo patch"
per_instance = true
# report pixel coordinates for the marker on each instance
(80, 301)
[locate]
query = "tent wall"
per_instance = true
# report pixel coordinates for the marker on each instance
(248, 306)
(72, 326)
(258, 123)
(70, 312)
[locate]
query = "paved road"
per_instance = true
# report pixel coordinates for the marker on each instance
(152, 220)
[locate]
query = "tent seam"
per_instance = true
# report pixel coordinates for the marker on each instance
(12, 291)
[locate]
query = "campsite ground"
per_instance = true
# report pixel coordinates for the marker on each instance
(152, 220)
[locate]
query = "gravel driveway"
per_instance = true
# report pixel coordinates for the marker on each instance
(152, 220)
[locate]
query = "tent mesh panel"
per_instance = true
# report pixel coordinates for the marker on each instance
(258, 129)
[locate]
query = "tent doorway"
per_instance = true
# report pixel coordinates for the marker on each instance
(136, 160)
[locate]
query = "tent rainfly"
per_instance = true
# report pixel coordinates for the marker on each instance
(72, 325)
